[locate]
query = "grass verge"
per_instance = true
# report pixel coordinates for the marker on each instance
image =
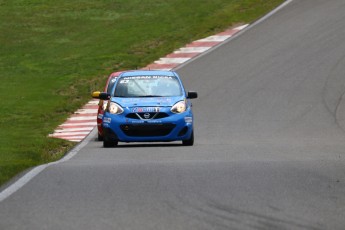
(54, 53)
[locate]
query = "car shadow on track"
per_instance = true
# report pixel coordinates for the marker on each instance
(145, 144)
(140, 145)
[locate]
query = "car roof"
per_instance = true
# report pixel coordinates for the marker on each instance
(115, 74)
(148, 73)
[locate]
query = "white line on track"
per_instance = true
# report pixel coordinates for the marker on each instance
(35, 171)
(241, 27)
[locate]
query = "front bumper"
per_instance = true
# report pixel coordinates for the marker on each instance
(123, 128)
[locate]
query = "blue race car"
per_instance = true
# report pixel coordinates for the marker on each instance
(148, 106)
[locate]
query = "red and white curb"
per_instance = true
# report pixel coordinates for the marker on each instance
(192, 50)
(79, 125)
(83, 121)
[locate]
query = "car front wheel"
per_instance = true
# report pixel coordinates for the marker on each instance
(100, 137)
(109, 144)
(190, 141)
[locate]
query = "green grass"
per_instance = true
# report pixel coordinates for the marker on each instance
(54, 53)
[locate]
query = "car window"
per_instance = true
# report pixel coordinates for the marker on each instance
(148, 86)
(111, 84)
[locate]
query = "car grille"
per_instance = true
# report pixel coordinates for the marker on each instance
(147, 130)
(147, 116)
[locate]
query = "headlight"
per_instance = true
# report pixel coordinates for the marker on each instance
(179, 107)
(114, 108)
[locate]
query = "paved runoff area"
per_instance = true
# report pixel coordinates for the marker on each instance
(83, 121)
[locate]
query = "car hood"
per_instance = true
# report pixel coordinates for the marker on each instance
(147, 101)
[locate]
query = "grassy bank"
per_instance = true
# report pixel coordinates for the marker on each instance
(54, 53)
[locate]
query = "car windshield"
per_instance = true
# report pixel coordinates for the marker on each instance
(148, 86)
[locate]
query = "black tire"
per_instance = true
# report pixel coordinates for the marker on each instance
(109, 144)
(99, 138)
(190, 141)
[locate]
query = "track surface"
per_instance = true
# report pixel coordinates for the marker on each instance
(269, 153)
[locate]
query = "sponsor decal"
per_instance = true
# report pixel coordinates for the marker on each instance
(137, 122)
(106, 120)
(148, 99)
(124, 81)
(154, 122)
(145, 122)
(146, 77)
(145, 110)
(100, 116)
(188, 119)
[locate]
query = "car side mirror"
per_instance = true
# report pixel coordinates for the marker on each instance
(192, 95)
(101, 95)
(95, 94)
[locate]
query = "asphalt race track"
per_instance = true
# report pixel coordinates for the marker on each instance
(269, 152)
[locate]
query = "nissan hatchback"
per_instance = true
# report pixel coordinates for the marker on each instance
(148, 106)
